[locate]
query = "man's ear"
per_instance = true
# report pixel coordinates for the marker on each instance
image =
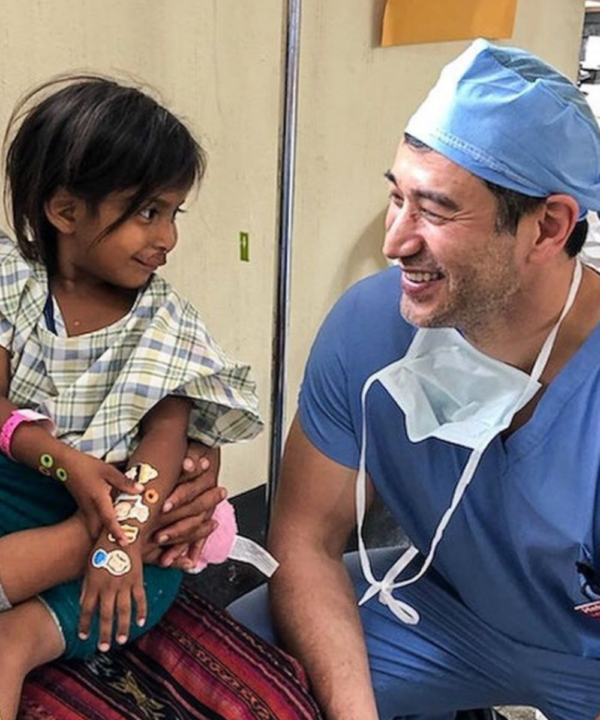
(555, 224)
(62, 211)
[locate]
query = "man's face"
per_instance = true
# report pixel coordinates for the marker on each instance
(440, 227)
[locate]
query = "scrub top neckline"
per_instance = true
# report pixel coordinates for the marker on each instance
(555, 396)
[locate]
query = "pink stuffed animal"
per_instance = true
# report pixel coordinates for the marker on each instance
(219, 543)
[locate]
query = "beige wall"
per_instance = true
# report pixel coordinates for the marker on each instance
(218, 64)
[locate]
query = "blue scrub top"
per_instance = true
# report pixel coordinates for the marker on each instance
(521, 549)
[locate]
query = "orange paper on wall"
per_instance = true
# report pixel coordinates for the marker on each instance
(421, 21)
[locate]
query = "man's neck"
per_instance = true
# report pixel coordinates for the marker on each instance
(518, 336)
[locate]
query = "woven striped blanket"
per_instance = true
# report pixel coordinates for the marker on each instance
(197, 664)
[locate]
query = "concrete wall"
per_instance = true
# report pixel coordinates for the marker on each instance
(217, 63)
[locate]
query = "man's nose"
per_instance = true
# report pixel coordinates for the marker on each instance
(401, 237)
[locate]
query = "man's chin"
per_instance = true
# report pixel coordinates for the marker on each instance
(421, 318)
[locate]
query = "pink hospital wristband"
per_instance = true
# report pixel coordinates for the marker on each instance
(12, 423)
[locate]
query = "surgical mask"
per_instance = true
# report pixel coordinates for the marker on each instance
(448, 390)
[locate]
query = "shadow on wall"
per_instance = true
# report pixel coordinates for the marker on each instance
(365, 257)
(377, 15)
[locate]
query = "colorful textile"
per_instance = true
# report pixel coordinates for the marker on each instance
(98, 386)
(197, 664)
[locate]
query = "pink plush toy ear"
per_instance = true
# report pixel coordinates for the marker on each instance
(220, 542)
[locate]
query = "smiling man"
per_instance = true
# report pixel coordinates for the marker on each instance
(463, 388)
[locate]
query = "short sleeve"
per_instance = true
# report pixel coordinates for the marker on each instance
(363, 333)
(15, 277)
(325, 404)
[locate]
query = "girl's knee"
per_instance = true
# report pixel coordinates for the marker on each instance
(30, 637)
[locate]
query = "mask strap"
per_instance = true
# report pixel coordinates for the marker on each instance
(385, 587)
(403, 610)
(542, 358)
(361, 486)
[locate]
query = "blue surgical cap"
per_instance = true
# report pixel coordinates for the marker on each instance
(511, 119)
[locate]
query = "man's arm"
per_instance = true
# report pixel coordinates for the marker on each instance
(186, 518)
(313, 601)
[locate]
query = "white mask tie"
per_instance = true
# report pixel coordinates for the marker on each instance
(484, 433)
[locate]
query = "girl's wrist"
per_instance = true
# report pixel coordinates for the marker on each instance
(17, 419)
(56, 460)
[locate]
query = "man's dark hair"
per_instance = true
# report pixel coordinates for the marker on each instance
(91, 136)
(513, 205)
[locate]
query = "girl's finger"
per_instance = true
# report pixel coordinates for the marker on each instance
(123, 616)
(141, 607)
(106, 512)
(118, 480)
(88, 602)
(106, 618)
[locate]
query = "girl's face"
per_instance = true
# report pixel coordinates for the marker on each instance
(128, 255)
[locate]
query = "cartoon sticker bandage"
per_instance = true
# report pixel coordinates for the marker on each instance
(131, 533)
(116, 562)
(141, 473)
(131, 507)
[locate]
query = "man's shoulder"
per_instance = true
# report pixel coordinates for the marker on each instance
(376, 298)
(365, 329)
(379, 287)
(372, 307)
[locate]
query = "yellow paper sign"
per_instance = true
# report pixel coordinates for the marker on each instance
(422, 21)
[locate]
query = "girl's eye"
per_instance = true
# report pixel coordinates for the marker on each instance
(148, 213)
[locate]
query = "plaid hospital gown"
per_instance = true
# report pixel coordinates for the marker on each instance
(97, 387)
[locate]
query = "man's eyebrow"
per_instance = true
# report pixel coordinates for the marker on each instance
(438, 198)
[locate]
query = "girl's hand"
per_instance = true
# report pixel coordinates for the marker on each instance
(186, 517)
(89, 481)
(114, 581)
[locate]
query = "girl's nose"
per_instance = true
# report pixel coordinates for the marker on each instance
(166, 238)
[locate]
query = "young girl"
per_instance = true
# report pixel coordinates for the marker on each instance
(105, 371)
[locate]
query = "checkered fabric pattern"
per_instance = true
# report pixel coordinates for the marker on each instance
(97, 387)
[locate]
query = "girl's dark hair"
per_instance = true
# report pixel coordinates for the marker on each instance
(91, 136)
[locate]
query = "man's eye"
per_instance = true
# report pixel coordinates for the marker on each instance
(396, 199)
(433, 216)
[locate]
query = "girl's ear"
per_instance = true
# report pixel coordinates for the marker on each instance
(555, 226)
(62, 210)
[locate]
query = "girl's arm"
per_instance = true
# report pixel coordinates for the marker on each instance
(87, 478)
(114, 578)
